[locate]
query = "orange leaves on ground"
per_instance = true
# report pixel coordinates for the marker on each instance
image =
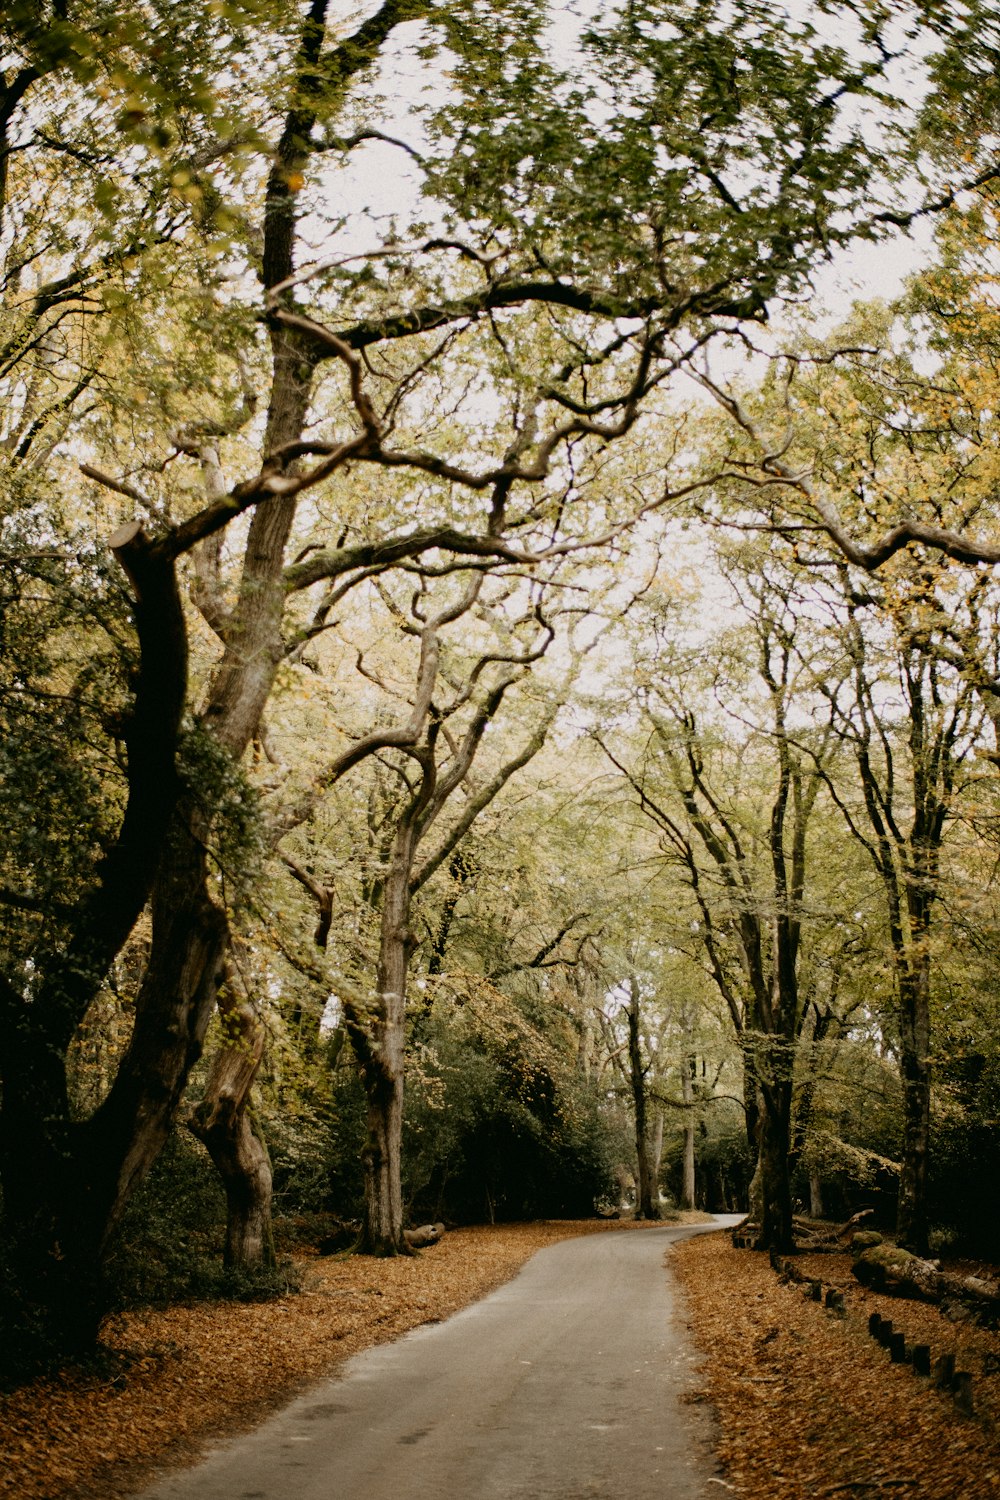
(188, 1373)
(810, 1406)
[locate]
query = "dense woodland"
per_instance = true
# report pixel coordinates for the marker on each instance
(500, 678)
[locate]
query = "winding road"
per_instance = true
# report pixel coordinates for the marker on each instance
(566, 1384)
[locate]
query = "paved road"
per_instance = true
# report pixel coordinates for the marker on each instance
(563, 1385)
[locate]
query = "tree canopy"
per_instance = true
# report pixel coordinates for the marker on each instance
(502, 632)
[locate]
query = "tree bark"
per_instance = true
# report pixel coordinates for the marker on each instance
(687, 1094)
(379, 1043)
(911, 1219)
(805, 1106)
(647, 1190)
(656, 1146)
(816, 1209)
(776, 1231)
(378, 1029)
(381, 1159)
(64, 1181)
(908, 866)
(222, 1122)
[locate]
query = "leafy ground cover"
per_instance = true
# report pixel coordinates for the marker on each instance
(809, 1406)
(179, 1376)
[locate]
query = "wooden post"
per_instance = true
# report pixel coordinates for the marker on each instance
(816, 1291)
(885, 1332)
(897, 1348)
(962, 1391)
(921, 1359)
(944, 1371)
(875, 1325)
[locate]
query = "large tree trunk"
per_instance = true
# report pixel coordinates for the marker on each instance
(752, 1110)
(656, 1145)
(911, 1221)
(776, 1231)
(63, 1185)
(647, 1190)
(688, 1066)
(379, 1042)
(222, 1122)
(381, 1159)
(66, 1183)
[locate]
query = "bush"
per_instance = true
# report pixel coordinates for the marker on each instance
(169, 1246)
(502, 1132)
(964, 1168)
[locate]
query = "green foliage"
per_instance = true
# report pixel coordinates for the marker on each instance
(168, 1247)
(724, 1161)
(229, 803)
(499, 1126)
(680, 149)
(681, 159)
(343, 1193)
(853, 1176)
(65, 661)
(965, 1157)
(494, 1129)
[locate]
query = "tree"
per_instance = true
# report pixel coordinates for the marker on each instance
(66, 1185)
(903, 834)
(912, 720)
(746, 873)
(198, 203)
(456, 697)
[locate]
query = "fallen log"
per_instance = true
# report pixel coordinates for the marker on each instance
(895, 1272)
(426, 1234)
(828, 1238)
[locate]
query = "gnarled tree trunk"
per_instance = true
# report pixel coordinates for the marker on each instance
(223, 1123)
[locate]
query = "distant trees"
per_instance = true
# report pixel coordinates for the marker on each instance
(743, 846)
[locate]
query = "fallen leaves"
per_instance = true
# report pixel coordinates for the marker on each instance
(810, 1406)
(188, 1373)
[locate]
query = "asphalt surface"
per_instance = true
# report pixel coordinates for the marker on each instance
(566, 1384)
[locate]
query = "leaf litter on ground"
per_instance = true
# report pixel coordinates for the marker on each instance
(182, 1375)
(810, 1406)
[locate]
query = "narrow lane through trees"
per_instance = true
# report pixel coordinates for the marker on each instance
(565, 1384)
